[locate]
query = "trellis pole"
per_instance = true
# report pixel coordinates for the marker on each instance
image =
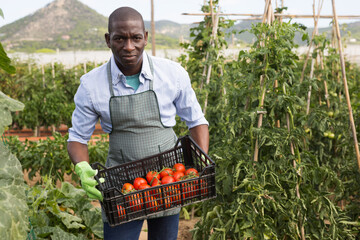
(215, 21)
(346, 89)
(153, 51)
(315, 32)
(266, 19)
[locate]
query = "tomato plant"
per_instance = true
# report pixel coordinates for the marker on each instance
(295, 171)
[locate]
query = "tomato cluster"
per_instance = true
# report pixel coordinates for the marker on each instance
(165, 196)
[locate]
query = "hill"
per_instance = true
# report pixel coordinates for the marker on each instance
(71, 25)
(61, 24)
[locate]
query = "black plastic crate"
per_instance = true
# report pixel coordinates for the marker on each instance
(121, 208)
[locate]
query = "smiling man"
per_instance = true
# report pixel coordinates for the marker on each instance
(136, 97)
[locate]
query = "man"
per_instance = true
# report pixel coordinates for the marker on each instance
(136, 98)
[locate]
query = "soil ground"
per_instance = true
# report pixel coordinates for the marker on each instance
(184, 229)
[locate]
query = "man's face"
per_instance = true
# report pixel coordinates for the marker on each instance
(127, 41)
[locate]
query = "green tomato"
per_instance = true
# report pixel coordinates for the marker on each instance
(326, 134)
(332, 93)
(331, 135)
(331, 114)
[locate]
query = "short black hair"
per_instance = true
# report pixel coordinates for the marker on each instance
(124, 14)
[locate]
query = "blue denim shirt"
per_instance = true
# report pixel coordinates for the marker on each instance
(171, 84)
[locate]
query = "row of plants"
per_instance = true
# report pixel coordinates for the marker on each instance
(47, 92)
(282, 172)
(49, 157)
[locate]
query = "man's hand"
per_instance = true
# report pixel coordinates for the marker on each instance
(86, 174)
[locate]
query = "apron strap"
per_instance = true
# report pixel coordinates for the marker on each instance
(108, 68)
(152, 71)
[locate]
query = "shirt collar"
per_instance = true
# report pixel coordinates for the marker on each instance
(118, 76)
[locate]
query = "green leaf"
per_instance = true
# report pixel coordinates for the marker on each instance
(93, 220)
(71, 221)
(5, 61)
(13, 208)
(7, 105)
(59, 234)
(1, 13)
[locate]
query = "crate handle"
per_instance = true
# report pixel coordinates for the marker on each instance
(97, 165)
(178, 141)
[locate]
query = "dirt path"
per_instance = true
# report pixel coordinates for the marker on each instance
(184, 229)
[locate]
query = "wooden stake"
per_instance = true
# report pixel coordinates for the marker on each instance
(309, 92)
(215, 21)
(152, 29)
(316, 20)
(275, 15)
(262, 84)
(325, 82)
(346, 90)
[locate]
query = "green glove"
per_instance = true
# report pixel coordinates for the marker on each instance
(86, 174)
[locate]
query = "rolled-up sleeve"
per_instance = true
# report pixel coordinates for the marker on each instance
(187, 105)
(84, 116)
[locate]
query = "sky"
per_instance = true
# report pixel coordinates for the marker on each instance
(172, 10)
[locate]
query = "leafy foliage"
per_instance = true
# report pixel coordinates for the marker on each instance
(47, 94)
(301, 180)
(50, 157)
(63, 213)
(13, 208)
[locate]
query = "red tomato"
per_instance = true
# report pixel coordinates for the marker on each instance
(138, 181)
(135, 202)
(127, 187)
(178, 176)
(155, 182)
(190, 189)
(143, 186)
(166, 172)
(192, 172)
(151, 203)
(167, 202)
(176, 196)
(179, 167)
(167, 180)
(203, 187)
(156, 192)
(150, 176)
(121, 212)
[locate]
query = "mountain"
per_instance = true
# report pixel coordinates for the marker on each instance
(60, 24)
(71, 25)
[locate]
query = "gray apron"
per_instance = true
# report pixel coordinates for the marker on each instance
(137, 130)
